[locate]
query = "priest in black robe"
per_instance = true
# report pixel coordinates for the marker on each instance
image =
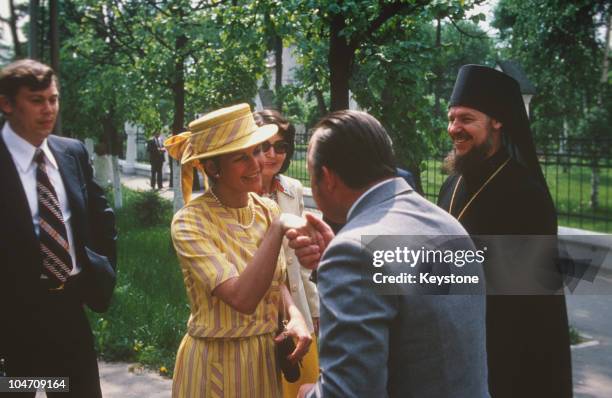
(496, 187)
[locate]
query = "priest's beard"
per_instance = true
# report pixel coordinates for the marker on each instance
(459, 164)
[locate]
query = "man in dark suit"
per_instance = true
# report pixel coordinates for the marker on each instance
(156, 150)
(57, 238)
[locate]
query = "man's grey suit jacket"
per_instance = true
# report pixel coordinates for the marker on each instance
(374, 345)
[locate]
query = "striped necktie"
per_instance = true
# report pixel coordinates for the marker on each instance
(53, 238)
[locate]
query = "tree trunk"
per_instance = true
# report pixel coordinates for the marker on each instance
(339, 59)
(117, 193)
(55, 64)
(178, 87)
(14, 33)
(175, 180)
(438, 70)
(320, 102)
(594, 186)
(278, 85)
(54, 35)
(113, 143)
(606, 63)
(178, 92)
(33, 39)
(563, 147)
(603, 81)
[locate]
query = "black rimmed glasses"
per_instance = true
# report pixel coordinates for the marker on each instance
(280, 147)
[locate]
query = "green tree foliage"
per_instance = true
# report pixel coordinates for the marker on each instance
(96, 89)
(170, 60)
(558, 45)
(399, 59)
(407, 80)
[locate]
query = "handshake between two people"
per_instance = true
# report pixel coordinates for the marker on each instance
(308, 236)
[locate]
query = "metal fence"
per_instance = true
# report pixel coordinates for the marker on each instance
(298, 168)
(578, 173)
(579, 176)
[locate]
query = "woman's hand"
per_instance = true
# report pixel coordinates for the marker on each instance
(296, 329)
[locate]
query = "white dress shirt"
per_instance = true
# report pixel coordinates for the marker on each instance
(22, 153)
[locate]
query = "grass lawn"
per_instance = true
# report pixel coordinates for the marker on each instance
(571, 190)
(149, 312)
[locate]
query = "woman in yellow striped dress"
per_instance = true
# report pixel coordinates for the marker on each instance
(228, 243)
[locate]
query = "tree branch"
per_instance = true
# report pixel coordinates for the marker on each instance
(387, 11)
(463, 32)
(202, 5)
(159, 39)
(98, 60)
(158, 8)
(114, 33)
(126, 25)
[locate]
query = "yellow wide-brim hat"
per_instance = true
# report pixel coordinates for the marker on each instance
(220, 132)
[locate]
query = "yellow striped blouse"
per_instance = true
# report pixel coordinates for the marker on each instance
(213, 247)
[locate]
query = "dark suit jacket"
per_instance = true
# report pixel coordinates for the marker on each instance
(93, 229)
(156, 155)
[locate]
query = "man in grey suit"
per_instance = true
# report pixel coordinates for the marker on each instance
(372, 344)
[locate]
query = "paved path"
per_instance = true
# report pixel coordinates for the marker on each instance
(118, 381)
(124, 380)
(140, 183)
(592, 365)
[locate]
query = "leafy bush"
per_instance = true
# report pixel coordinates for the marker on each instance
(149, 209)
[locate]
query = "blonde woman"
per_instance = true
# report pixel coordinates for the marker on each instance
(287, 193)
(228, 242)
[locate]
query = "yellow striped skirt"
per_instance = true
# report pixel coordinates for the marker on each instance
(231, 368)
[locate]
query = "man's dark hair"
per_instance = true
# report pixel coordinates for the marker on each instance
(25, 72)
(355, 146)
(285, 129)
